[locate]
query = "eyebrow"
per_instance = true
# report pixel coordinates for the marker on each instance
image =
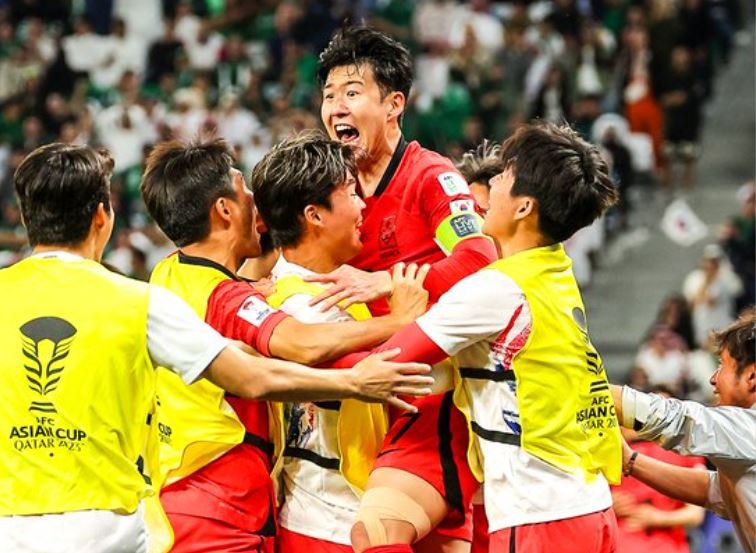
(352, 81)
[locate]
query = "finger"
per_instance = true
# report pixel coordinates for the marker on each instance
(343, 296)
(411, 272)
(422, 273)
(324, 278)
(401, 404)
(327, 293)
(387, 354)
(414, 368)
(412, 391)
(417, 381)
(397, 272)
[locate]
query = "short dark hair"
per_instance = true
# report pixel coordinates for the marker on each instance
(390, 60)
(181, 183)
(299, 171)
(481, 164)
(59, 187)
(565, 174)
(739, 339)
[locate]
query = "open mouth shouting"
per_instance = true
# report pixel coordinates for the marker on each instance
(346, 133)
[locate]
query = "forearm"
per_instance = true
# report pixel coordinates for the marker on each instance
(686, 484)
(272, 379)
(688, 516)
(689, 427)
(468, 256)
(313, 344)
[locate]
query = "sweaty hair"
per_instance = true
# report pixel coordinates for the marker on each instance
(565, 174)
(481, 164)
(59, 187)
(181, 183)
(299, 171)
(739, 339)
(391, 61)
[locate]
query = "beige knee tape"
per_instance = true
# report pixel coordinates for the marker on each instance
(390, 504)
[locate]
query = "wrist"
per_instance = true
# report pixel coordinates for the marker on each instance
(629, 464)
(384, 283)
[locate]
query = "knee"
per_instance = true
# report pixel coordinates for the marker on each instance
(388, 516)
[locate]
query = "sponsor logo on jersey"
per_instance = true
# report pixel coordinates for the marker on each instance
(462, 206)
(453, 183)
(254, 311)
(464, 225)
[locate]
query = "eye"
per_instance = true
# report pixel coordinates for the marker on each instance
(351, 93)
(328, 96)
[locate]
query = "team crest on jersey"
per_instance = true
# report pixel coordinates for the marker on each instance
(453, 183)
(387, 233)
(300, 418)
(254, 311)
(462, 206)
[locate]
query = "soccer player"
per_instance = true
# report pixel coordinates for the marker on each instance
(533, 389)
(216, 451)
(79, 348)
(418, 207)
(478, 167)
(723, 434)
(306, 191)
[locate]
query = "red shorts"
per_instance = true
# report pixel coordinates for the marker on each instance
(593, 533)
(291, 542)
(195, 534)
(432, 444)
(480, 529)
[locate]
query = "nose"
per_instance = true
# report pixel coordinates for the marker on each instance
(713, 377)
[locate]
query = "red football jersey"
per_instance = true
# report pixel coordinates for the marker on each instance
(412, 200)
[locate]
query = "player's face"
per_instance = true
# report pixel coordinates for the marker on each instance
(244, 218)
(500, 220)
(341, 223)
(353, 110)
(731, 388)
(481, 193)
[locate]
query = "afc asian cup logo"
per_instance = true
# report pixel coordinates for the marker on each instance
(46, 342)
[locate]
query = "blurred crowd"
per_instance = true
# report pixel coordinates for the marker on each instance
(629, 74)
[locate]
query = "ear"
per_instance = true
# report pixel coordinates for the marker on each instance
(222, 208)
(749, 374)
(311, 214)
(397, 102)
(525, 207)
(260, 225)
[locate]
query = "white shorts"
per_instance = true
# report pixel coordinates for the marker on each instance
(76, 532)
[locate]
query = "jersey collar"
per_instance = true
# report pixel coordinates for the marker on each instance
(393, 165)
(204, 262)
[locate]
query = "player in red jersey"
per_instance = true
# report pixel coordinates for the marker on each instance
(418, 209)
(216, 450)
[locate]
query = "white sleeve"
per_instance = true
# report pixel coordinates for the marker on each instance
(479, 306)
(177, 338)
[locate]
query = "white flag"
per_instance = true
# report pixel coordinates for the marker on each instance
(681, 224)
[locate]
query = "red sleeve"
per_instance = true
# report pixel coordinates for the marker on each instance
(239, 312)
(445, 192)
(414, 343)
(468, 257)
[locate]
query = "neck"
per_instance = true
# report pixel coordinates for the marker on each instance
(216, 250)
(311, 255)
(520, 242)
(373, 165)
(85, 249)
